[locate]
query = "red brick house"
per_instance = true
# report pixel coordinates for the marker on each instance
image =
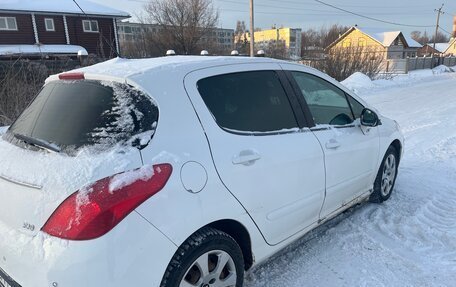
(59, 26)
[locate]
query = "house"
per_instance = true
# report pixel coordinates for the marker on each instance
(59, 27)
(289, 36)
(392, 44)
(444, 49)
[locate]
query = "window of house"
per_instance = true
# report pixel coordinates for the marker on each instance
(362, 42)
(347, 43)
(49, 24)
(248, 102)
(397, 42)
(8, 23)
(90, 26)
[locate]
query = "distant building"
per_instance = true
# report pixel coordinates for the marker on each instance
(441, 49)
(289, 36)
(392, 44)
(133, 32)
(58, 27)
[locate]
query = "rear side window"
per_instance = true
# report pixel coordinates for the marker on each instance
(248, 102)
(71, 115)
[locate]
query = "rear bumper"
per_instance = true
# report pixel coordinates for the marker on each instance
(133, 254)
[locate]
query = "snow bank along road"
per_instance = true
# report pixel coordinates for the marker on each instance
(411, 239)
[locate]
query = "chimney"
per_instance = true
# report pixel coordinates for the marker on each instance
(454, 27)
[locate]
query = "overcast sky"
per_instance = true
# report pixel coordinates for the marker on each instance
(310, 14)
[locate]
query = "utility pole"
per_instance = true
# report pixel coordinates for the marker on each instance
(252, 30)
(439, 12)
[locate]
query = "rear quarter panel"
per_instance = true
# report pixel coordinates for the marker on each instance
(180, 139)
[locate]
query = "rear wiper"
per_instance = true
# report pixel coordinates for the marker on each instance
(38, 143)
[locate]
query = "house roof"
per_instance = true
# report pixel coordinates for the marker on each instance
(61, 7)
(412, 43)
(441, 47)
(385, 38)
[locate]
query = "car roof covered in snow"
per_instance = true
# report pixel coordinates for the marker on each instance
(127, 68)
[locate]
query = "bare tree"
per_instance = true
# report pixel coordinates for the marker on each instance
(242, 44)
(424, 39)
(340, 63)
(440, 38)
(277, 50)
(317, 40)
(183, 23)
(20, 82)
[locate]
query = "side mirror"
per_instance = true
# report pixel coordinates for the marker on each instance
(369, 118)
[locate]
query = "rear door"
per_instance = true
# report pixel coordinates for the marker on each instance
(263, 151)
(351, 154)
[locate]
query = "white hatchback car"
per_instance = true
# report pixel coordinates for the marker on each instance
(181, 171)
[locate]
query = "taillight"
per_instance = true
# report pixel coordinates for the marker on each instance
(93, 211)
(72, 76)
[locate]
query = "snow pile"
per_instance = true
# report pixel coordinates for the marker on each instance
(3, 130)
(442, 69)
(360, 83)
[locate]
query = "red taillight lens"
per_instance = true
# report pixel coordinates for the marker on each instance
(72, 76)
(95, 210)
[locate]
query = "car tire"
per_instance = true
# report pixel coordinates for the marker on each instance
(208, 258)
(386, 176)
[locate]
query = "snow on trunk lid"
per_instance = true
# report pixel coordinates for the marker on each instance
(34, 184)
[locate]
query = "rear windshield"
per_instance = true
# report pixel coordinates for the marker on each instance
(71, 115)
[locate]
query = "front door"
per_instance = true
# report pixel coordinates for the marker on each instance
(351, 154)
(266, 159)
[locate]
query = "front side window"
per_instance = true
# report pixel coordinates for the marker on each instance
(248, 102)
(356, 107)
(90, 26)
(72, 115)
(362, 42)
(327, 103)
(49, 23)
(8, 23)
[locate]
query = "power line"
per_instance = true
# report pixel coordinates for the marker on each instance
(103, 37)
(440, 27)
(79, 7)
(307, 10)
(353, 6)
(371, 18)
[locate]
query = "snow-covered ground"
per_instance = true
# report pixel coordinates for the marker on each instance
(411, 239)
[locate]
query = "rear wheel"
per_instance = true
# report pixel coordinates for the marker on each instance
(209, 258)
(386, 176)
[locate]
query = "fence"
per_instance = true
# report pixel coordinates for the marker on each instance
(403, 66)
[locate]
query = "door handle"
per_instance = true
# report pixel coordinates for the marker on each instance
(246, 157)
(332, 144)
